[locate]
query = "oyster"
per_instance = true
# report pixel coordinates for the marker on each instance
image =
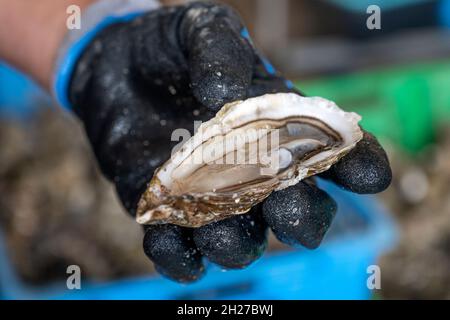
(249, 149)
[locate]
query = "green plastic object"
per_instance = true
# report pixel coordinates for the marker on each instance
(404, 105)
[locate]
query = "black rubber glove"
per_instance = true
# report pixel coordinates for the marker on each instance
(139, 81)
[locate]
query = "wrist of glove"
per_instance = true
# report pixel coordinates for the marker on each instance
(138, 81)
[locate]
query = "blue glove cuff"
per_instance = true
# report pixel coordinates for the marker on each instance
(95, 18)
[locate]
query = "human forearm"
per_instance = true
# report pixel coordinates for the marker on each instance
(32, 32)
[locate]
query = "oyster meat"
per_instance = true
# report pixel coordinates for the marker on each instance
(249, 149)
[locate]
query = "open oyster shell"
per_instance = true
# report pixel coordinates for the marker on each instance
(249, 149)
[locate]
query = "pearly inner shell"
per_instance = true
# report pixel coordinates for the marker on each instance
(249, 149)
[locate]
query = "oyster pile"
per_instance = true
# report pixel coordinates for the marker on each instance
(249, 149)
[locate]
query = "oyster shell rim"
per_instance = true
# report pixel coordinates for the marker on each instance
(156, 189)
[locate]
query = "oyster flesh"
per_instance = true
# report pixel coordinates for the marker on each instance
(249, 149)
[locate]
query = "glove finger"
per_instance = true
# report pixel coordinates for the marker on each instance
(233, 243)
(173, 252)
(220, 58)
(365, 169)
(300, 214)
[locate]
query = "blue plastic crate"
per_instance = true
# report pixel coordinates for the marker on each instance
(337, 270)
(362, 5)
(19, 95)
(361, 232)
(444, 13)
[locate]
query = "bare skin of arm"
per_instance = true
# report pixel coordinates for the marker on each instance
(31, 34)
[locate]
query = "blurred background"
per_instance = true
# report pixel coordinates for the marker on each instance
(56, 209)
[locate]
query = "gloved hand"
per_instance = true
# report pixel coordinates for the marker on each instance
(138, 81)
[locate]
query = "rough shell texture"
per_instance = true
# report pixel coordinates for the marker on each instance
(249, 149)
